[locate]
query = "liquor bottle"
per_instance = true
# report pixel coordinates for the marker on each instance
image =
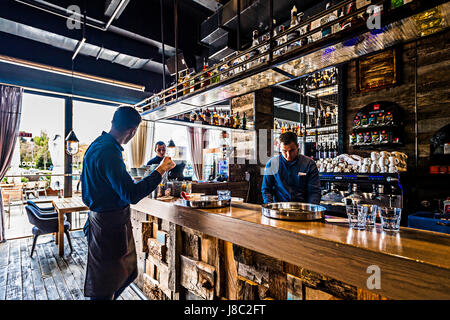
(254, 52)
(204, 77)
(232, 120)
(318, 152)
(326, 151)
(328, 116)
(244, 122)
(221, 119)
(297, 131)
(321, 151)
(215, 118)
(396, 3)
(226, 120)
(351, 8)
(207, 117)
(318, 118)
(186, 82)
(331, 151)
(237, 121)
(295, 33)
(193, 116)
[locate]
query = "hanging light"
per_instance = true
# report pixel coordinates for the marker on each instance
(171, 149)
(72, 143)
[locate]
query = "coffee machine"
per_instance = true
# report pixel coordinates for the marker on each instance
(382, 189)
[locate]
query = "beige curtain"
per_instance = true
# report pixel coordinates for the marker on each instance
(139, 145)
(197, 142)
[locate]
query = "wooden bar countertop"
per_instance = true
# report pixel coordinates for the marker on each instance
(414, 264)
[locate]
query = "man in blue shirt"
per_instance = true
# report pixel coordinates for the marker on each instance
(160, 149)
(290, 176)
(108, 190)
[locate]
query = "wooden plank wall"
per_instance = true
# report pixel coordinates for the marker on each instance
(182, 263)
(433, 95)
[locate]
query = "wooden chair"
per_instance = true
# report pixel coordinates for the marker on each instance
(30, 188)
(7, 205)
(41, 187)
(15, 197)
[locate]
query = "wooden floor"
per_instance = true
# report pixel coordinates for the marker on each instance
(46, 276)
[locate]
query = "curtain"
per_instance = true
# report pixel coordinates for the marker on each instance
(137, 149)
(197, 139)
(10, 110)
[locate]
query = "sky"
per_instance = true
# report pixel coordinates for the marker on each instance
(43, 113)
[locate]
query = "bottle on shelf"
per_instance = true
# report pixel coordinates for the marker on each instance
(244, 122)
(221, 119)
(226, 120)
(232, 120)
(318, 151)
(186, 82)
(193, 116)
(237, 121)
(204, 77)
(326, 151)
(254, 52)
(207, 117)
(215, 118)
(351, 8)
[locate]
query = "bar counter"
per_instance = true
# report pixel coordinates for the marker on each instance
(414, 264)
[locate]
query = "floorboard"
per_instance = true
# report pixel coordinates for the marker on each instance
(27, 277)
(46, 275)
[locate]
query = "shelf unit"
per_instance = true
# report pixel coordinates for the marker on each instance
(336, 48)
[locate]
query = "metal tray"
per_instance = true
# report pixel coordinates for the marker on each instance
(293, 211)
(207, 202)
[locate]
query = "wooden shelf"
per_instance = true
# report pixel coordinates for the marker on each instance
(378, 145)
(200, 125)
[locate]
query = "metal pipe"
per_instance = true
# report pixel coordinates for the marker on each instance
(175, 13)
(270, 30)
(163, 49)
(239, 25)
(119, 7)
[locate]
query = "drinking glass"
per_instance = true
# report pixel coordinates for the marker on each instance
(224, 194)
(354, 220)
(390, 218)
(371, 216)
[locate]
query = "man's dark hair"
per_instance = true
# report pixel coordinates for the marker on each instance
(159, 143)
(126, 118)
(288, 137)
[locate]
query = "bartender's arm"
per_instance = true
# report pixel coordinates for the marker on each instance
(314, 192)
(268, 184)
(122, 183)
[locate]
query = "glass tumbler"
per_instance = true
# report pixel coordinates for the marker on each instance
(354, 220)
(372, 216)
(390, 218)
(224, 194)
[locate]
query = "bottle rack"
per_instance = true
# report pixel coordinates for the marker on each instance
(377, 124)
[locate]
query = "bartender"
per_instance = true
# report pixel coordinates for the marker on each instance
(177, 172)
(290, 176)
(108, 190)
(160, 149)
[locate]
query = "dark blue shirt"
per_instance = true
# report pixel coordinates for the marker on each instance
(296, 181)
(155, 160)
(106, 184)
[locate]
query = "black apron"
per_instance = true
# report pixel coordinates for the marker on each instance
(111, 252)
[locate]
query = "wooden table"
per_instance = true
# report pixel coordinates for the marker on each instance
(63, 206)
